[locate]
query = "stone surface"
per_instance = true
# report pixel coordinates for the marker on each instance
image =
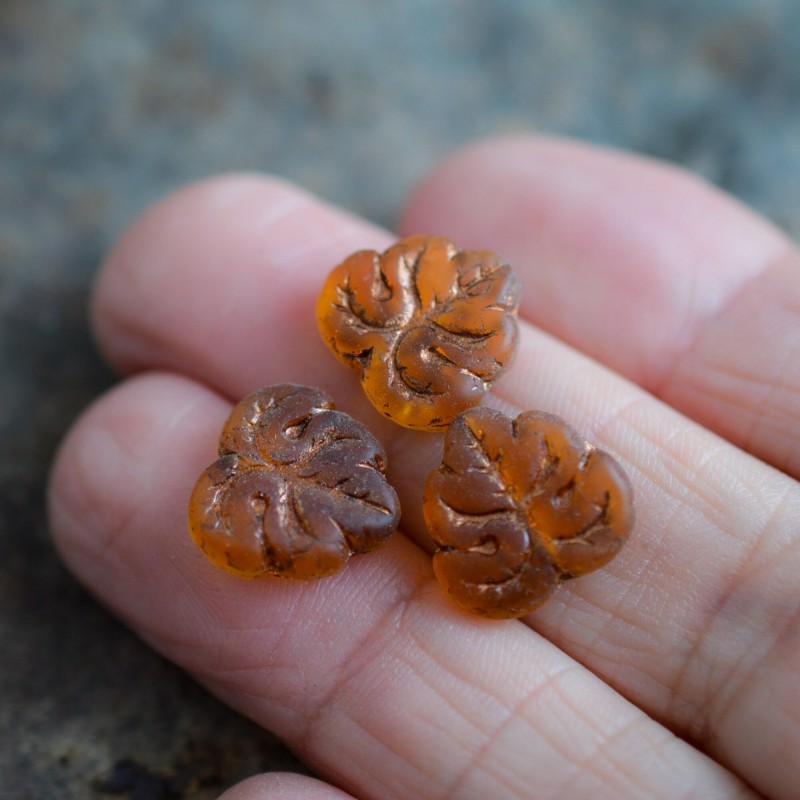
(104, 107)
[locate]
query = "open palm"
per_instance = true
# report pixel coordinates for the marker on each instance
(659, 317)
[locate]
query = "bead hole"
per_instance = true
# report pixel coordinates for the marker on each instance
(296, 428)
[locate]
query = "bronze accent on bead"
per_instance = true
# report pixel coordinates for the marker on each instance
(298, 488)
(429, 327)
(518, 506)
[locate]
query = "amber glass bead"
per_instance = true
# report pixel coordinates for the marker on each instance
(430, 328)
(518, 506)
(298, 488)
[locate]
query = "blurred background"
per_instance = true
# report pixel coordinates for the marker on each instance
(106, 106)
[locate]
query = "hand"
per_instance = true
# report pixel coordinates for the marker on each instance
(659, 317)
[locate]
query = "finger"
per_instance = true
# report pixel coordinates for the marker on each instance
(284, 786)
(370, 675)
(219, 281)
(664, 622)
(252, 252)
(696, 620)
(644, 267)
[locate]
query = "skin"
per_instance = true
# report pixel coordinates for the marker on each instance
(660, 317)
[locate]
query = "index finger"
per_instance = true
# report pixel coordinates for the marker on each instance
(644, 267)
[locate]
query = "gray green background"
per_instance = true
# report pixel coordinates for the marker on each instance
(104, 106)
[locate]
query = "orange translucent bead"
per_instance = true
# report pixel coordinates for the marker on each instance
(298, 488)
(430, 328)
(519, 506)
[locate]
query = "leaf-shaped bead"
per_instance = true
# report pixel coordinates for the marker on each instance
(429, 327)
(518, 506)
(297, 489)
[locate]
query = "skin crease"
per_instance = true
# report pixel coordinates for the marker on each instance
(372, 676)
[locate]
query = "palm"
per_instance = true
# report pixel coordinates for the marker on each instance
(385, 688)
